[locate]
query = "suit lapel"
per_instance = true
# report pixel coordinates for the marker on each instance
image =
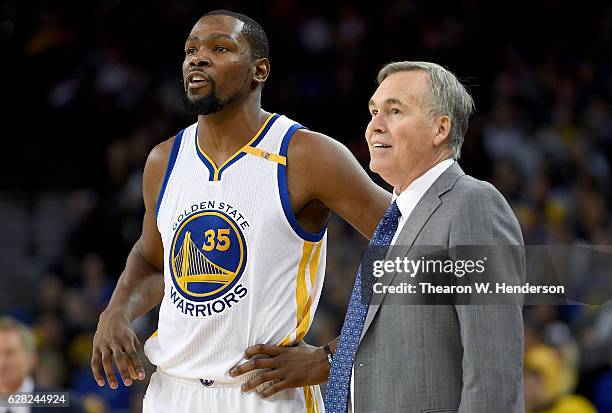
(417, 219)
(426, 206)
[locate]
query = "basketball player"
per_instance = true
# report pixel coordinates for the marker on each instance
(236, 211)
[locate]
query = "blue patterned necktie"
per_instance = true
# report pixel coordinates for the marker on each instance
(336, 397)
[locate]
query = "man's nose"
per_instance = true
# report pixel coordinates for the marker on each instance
(377, 124)
(200, 59)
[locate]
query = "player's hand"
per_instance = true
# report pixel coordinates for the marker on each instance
(303, 365)
(115, 339)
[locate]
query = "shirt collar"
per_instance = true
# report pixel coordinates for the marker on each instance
(407, 200)
(27, 386)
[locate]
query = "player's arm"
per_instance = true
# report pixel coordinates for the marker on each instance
(323, 169)
(139, 288)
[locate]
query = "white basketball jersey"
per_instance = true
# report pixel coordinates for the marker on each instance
(238, 268)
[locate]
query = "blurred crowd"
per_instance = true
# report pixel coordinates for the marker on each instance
(91, 87)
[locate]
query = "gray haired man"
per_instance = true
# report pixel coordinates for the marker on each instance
(17, 361)
(424, 358)
(436, 358)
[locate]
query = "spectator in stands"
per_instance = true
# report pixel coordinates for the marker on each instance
(17, 357)
(545, 391)
(17, 363)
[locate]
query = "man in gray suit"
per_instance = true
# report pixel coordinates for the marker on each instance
(437, 358)
(397, 357)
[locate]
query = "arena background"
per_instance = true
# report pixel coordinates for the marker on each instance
(88, 88)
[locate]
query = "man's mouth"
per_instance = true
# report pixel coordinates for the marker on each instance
(197, 80)
(380, 145)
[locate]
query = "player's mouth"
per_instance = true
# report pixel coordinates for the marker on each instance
(196, 80)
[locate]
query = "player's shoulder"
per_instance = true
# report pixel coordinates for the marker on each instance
(155, 166)
(310, 145)
(160, 153)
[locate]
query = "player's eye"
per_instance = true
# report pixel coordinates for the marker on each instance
(191, 50)
(220, 49)
(373, 112)
(394, 111)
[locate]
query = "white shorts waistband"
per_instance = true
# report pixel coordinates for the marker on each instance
(204, 382)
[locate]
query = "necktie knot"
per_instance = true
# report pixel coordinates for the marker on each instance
(387, 226)
(393, 212)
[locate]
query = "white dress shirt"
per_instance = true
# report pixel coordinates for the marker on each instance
(406, 202)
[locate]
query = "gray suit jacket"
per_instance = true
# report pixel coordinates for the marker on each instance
(446, 358)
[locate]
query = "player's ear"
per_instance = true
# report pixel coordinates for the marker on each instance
(262, 70)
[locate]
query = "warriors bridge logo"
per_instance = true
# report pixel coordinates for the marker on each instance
(207, 259)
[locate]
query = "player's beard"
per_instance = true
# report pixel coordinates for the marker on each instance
(208, 104)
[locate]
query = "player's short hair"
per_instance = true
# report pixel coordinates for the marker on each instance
(446, 96)
(251, 30)
(25, 334)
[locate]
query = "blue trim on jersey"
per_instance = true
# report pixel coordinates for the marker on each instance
(254, 143)
(204, 159)
(171, 161)
(284, 193)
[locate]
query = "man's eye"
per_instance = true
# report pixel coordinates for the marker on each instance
(221, 49)
(191, 50)
(394, 111)
(373, 112)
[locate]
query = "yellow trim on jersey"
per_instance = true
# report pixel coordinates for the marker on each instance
(266, 155)
(308, 399)
(217, 169)
(154, 334)
(301, 293)
(285, 341)
(302, 298)
(314, 264)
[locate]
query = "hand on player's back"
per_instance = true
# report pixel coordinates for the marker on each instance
(115, 339)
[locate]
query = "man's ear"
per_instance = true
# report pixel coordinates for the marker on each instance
(442, 125)
(262, 70)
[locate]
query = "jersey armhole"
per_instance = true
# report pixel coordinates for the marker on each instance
(171, 161)
(284, 192)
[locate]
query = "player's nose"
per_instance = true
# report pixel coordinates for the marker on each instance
(200, 59)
